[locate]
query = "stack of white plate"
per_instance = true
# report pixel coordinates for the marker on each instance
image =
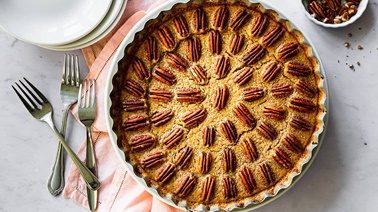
(61, 25)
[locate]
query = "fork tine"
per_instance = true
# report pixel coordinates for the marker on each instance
(64, 69)
(68, 68)
(93, 93)
(44, 99)
(77, 71)
(72, 70)
(87, 92)
(26, 104)
(79, 103)
(28, 95)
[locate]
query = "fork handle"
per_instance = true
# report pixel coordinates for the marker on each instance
(89, 178)
(56, 180)
(90, 162)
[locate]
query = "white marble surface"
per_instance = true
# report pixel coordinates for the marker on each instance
(343, 177)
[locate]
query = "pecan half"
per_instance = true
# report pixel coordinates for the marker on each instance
(274, 112)
(199, 20)
(161, 117)
(220, 97)
(189, 95)
(273, 35)
(221, 18)
(228, 160)
(160, 94)
(298, 69)
(215, 42)
(288, 50)
(292, 143)
(316, 9)
(247, 179)
(259, 25)
(152, 159)
(241, 17)
(134, 88)
(164, 75)
(176, 61)
(194, 49)
(172, 137)
(252, 94)
(139, 69)
(229, 131)
(141, 142)
(208, 136)
(136, 122)
(194, 117)
(134, 105)
(245, 117)
(254, 54)
(205, 160)
(266, 173)
(165, 173)
(184, 156)
(181, 26)
(236, 43)
(222, 67)
(250, 149)
(271, 71)
(334, 5)
(151, 49)
(166, 37)
(282, 158)
(267, 130)
(186, 185)
(300, 124)
(301, 105)
(306, 88)
(243, 76)
(207, 190)
(229, 188)
(281, 90)
(199, 75)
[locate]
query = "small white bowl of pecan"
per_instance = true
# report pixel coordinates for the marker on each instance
(334, 13)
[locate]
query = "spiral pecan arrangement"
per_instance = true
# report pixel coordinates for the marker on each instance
(217, 103)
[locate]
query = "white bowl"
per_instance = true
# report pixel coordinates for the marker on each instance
(360, 10)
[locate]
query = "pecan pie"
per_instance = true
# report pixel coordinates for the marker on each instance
(217, 103)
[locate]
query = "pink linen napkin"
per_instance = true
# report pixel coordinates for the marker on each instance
(118, 191)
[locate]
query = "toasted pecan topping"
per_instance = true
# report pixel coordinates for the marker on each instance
(250, 149)
(302, 105)
(166, 37)
(229, 188)
(186, 185)
(194, 49)
(300, 123)
(199, 75)
(298, 69)
(228, 160)
(221, 18)
(136, 122)
(199, 20)
(271, 71)
(165, 173)
(273, 35)
(194, 117)
(151, 49)
(306, 88)
(292, 143)
(247, 179)
(205, 160)
(281, 90)
(139, 69)
(266, 173)
(259, 25)
(152, 159)
(222, 67)
(220, 97)
(254, 54)
(161, 117)
(274, 112)
(134, 88)
(243, 76)
(141, 142)
(172, 137)
(288, 50)
(245, 117)
(207, 190)
(215, 42)
(181, 26)
(164, 75)
(176, 61)
(184, 157)
(267, 130)
(134, 105)
(208, 136)
(236, 43)
(252, 94)
(229, 131)
(282, 158)
(160, 94)
(189, 95)
(241, 17)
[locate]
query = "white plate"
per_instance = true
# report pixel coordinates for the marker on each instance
(54, 22)
(92, 38)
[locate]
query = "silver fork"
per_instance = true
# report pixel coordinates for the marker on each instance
(41, 109)
(87, 115)
(69, 90)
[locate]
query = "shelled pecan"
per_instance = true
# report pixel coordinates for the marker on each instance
(186, 185)
(281, 90)
(164, 75)
(271, 71)
(236, 43)
(181, 26)
(241, 17)
(134, 88)
(274, 112)
(134, 105)
(204, 164)
(189, 95)
(292, 143)
(229, 131)
(166, 173)
(161, 117)
(229, 188)
(315, 8)
(141, 142)
(288, 50)
(194, 49)
(215, 42)
(172, 137)
(207, 189)
(300, 123)
(160, 94)
(194, 117)
(302, 105)
(273, 35)
(252, 94)
(152, 159)
(222, 66)
(266, 173)
(151, 49)
(221, 18)
(247, 179)
(249, 149)
(254, 54)
(176, 61)
(166, 37)
(208, 136)
(199, 75)
(259, 25)
(306, 88)
(220, 97)
(267, 130)
(136, 122)
(298, 69)
(139, 69)
(243, 76)
(244, 116)
(184, 157)
(282, 158)
(199, 20)
(228, 160)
